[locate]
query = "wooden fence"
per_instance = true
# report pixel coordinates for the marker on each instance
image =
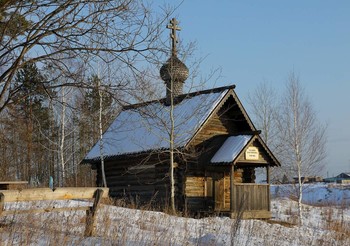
(46, 194)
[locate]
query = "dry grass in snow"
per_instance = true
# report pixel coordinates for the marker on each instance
(323, 225)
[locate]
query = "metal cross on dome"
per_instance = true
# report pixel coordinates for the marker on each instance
(174, 27)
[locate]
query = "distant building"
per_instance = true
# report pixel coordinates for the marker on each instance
(343, 178)
(309, 179)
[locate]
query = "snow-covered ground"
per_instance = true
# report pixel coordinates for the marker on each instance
(328, 224)
(316, 194)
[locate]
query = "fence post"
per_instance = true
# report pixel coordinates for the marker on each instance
(91, 214)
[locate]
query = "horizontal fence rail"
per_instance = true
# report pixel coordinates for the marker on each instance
(46, 194)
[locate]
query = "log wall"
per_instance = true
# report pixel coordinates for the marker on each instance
(195, 193)
(142, 183)
(128, 180)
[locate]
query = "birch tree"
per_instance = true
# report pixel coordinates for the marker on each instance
(302, 136)
(100, 97)
(62, 169)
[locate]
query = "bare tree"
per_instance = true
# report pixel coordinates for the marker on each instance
(302, 136)
(51, 33)
(263, 102)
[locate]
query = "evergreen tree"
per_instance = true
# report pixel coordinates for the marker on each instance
(12, 23)
(30, 115)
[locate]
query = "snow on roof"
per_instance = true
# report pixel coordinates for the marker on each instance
(231, 148)
(147, 127)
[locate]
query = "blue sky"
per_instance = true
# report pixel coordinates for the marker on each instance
(255, 41)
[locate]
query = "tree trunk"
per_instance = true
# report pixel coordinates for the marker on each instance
(300, 195)
(171, 150)
(62, 175)
(101, 134)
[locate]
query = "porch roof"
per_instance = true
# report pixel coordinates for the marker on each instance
(231, 149)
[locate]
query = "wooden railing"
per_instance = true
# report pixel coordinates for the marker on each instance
(251, 197)
(46, 194)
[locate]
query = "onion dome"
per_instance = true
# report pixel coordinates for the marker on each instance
(174, 70)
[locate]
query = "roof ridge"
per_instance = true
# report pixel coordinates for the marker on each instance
(180, 97)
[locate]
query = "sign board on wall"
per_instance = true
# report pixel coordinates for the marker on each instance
(252, 154)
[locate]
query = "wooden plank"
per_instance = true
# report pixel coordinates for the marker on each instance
(41, 194)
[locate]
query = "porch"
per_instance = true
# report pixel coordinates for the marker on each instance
(212, 194)
(232, 168)
(249, 201)
(246, 201)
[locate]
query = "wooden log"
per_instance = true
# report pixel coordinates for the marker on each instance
(91, 214)
(44, 210)
(41, 194)
(195, 194)
(79, 192)
(58, 194)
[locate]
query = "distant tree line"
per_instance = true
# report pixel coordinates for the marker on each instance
(43, 129)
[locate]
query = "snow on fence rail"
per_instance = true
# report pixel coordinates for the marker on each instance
(46, 194)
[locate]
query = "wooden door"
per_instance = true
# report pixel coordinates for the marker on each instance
(219, 194)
